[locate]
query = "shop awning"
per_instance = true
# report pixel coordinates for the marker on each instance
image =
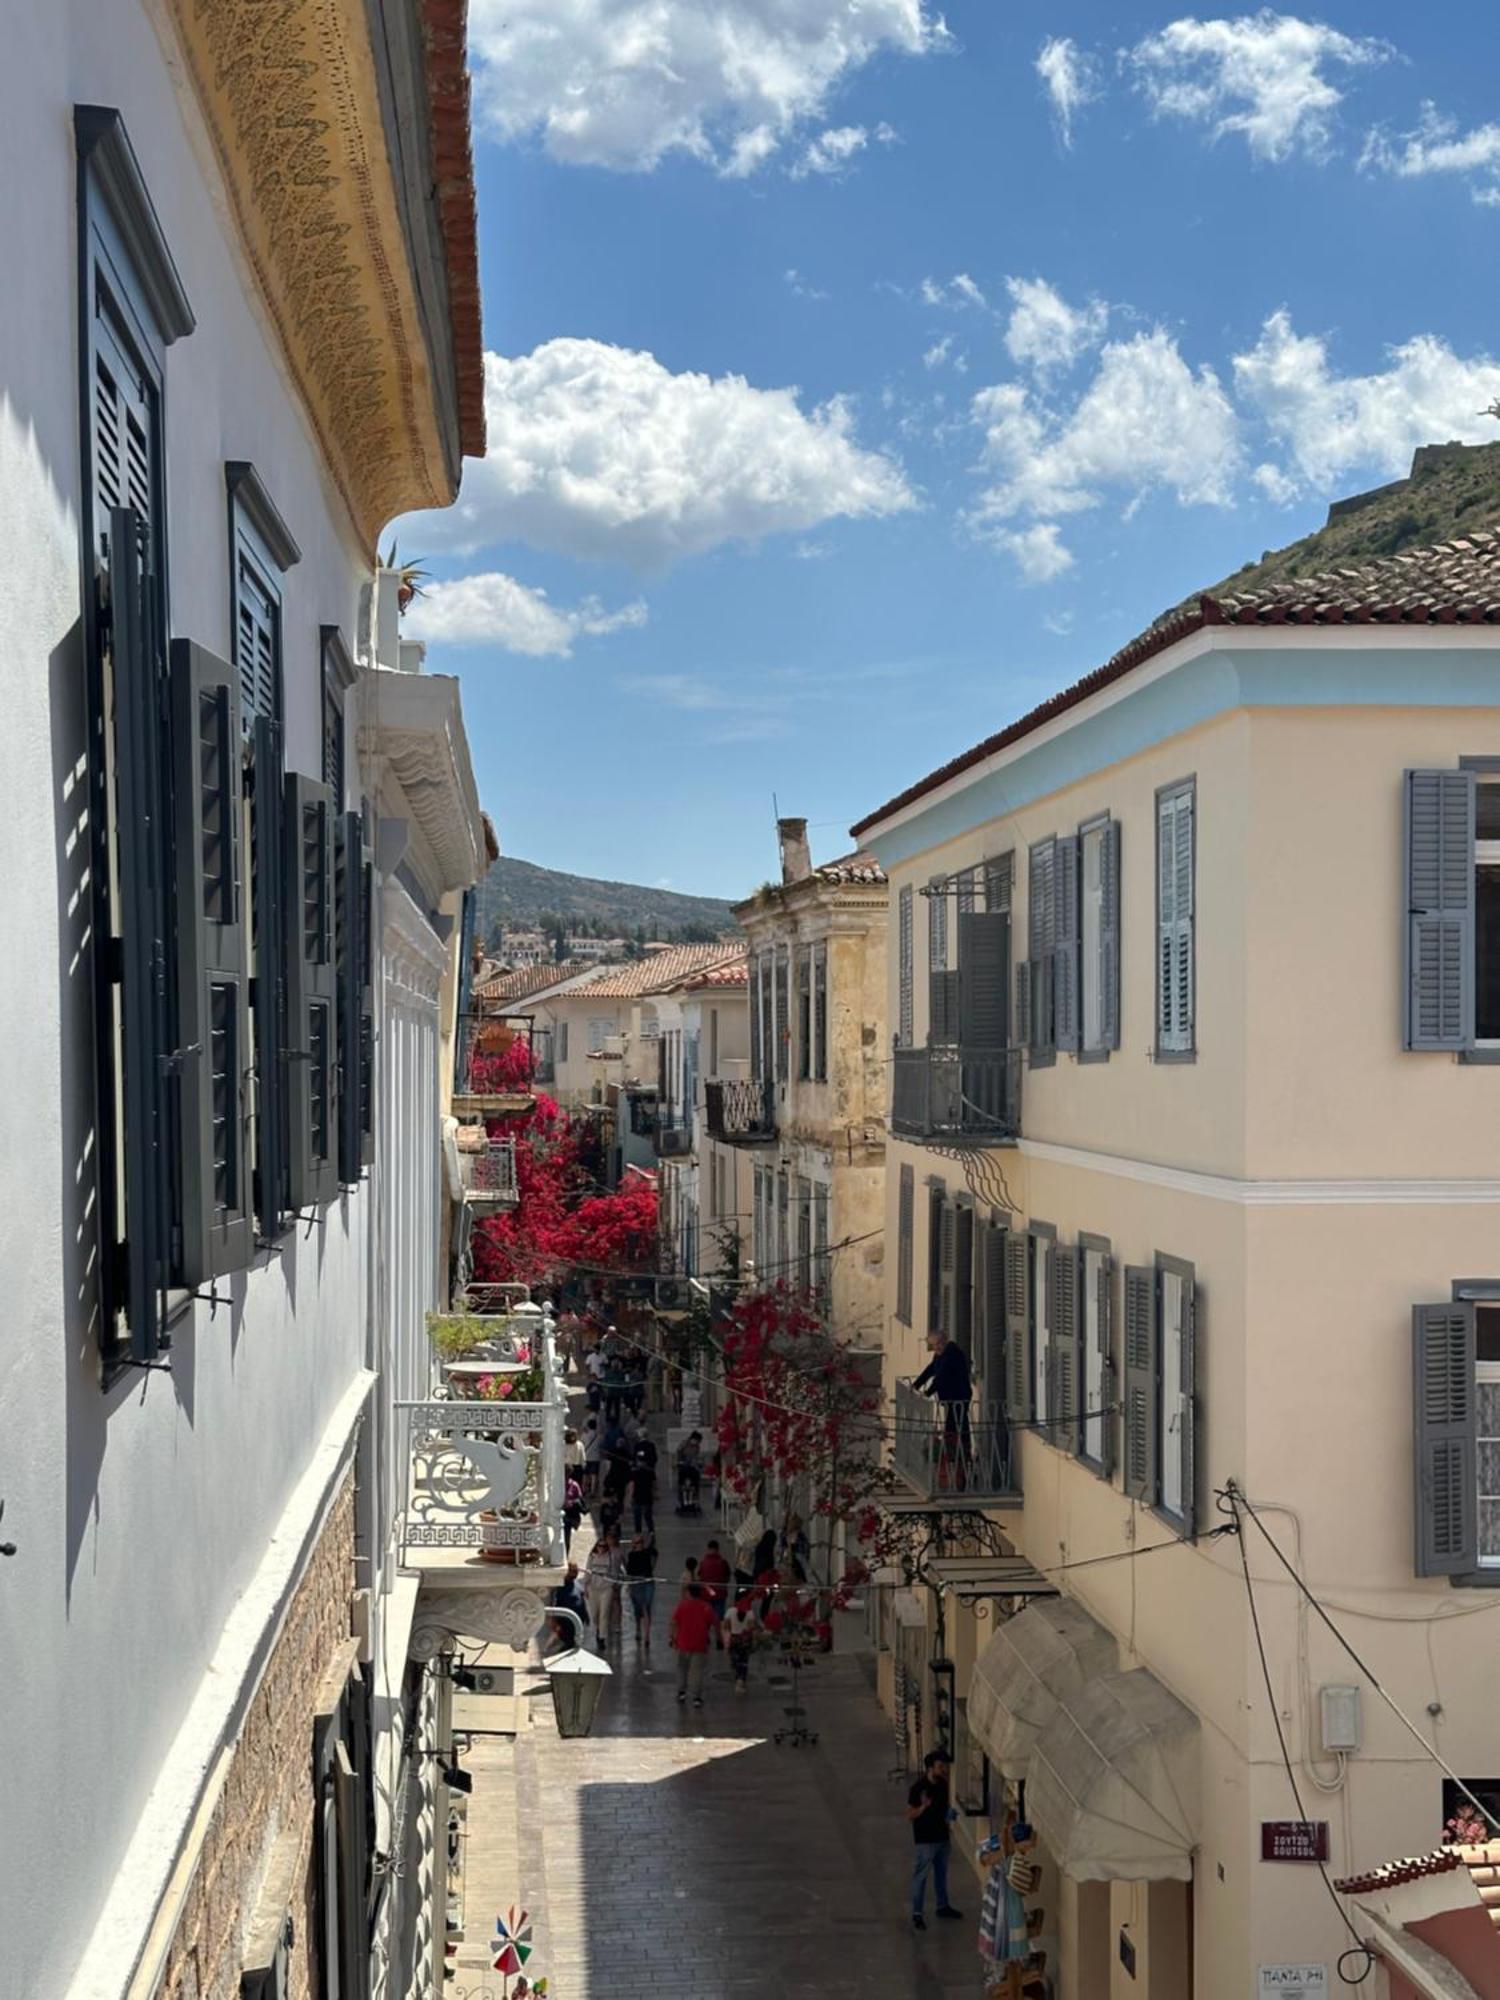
(1113, 1785)
(987, 1576)
(1035, 1660)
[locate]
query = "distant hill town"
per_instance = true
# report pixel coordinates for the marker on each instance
(519, 897)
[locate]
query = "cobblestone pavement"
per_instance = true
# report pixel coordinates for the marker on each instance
(684, 1854)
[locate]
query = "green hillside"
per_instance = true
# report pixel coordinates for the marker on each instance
(520, 896)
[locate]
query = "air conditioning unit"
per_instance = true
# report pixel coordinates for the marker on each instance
(674, 1294)
(485, 1680)
(673, 1139)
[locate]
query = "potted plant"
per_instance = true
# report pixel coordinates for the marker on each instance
(493, 1525)
(413, 578)
(456, 1334)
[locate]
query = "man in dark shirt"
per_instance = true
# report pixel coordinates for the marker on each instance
(946, 1377)
(929, 1812)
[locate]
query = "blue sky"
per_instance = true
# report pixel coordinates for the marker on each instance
(859, 376)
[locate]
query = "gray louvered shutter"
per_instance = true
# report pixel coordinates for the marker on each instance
(1439, 909)
(756, 1071)
(142, 722)
(783, 1013)
(1062, 1314)
(1023, 1005)
(1445, 1445)
(1041, 918)
(1104, 1309)
(1017, 1331)
(947, 1259)
(213, 979)
(348, 880)
(984, 978)
(961, 1327)
(1109, 936)
(904, 1016)
(936, 1203)
(268, 987)
(1188, 1441)
(905, 1212)
(993, 1348)
(1140, 1398)
(369, 932)
(312, 1087)
(1067, 999)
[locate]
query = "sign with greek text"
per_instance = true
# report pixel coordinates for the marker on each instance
(1293, 1982)
(1294, 1840)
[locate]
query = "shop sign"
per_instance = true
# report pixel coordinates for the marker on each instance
(1294, 1840)
(1293, 1982)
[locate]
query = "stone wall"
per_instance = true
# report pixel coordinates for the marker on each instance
(268, 1794)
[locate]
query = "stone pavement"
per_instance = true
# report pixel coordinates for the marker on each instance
(684, 1854)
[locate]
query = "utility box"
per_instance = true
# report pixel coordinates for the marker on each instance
(1338, 1708)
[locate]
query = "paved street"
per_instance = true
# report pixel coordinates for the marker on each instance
(684, 1854)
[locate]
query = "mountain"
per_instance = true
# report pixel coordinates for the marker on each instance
(521, 896)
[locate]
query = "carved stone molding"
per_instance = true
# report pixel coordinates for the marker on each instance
(510, 1617)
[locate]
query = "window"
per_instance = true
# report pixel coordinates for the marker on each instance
(758, 1227)
(312, 1093)
(905, 1209)
(905, 1030)
(783, 1258)
(757, 1061)
(1094, 1309)
(1041, 933)
(783, 1012)
(1453, 909)
(804, 1235)
(1041, 1239)
(713, 1041)
(261, 551)
(132, 308)
(804, 1012)
(937, 1208)
(562, 1041)
(601, 1027)
(1160, 1402)
(1456, 1415)
(338, 676)
(1099, 937)
(820, 1013)
(960, 1325)
(1176, 839)
(942, 986)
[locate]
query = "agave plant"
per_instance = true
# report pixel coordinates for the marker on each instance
(413, 577)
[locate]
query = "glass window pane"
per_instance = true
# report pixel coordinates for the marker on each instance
(1487, 812)
(1487, 954)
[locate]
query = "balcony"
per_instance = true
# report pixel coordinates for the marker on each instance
(486, 1169)
(952, 1451)
(740, 1111)
(493, 1068)
(971, 1096)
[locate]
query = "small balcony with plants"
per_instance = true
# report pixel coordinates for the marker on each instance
(494, 1068)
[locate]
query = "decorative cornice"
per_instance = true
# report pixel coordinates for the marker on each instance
(248, 492)
(510, 1617)
(104, 148)
(290, 96)
(1268, 1193)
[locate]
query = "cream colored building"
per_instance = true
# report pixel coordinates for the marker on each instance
(1234, 897)
(702, 1035)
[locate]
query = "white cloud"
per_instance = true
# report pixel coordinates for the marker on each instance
(601, 452)
(1146, 421)
(1044, 332)
(1068, 76)
(623, 83)
(1038, 550)
(1059, 623)
(799, 286)
(832, 150)
(1437, 146)
(494, 609)
(943, 354)
(1264, 75)
(1275, 484)
(960, 290)
(1332, 424)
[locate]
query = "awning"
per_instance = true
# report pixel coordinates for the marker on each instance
(987, 1576)
(910, 1607)
(1035, 1661)
(1113, 1785)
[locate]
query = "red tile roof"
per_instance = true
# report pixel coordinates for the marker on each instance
(1451, 583)
(856, 867)
(656, 974)
(500, 988)
(445, 32)
(1482, 1859)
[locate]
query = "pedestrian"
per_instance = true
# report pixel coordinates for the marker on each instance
(616, 1460)
(946, 1378)
(569, 1596)
(930, 1814)
(574, 1459)
(689, 1574)
(764, 1558)
(689, 1472)
(794, 1543)
(593, 1365)
(643, 1492)
(605, 1571)
(739, 1630)
(593, 1447)
(692, 1621)
(713, 1574)
(572, 1512)
(640, 1570)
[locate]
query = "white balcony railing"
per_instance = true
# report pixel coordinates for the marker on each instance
(488, 1172)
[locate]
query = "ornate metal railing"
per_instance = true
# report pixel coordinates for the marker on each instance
(739, 1111)
(944, 1450)
(488, 1172)
(973, 1095)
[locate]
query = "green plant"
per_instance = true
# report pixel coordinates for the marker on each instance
(413, 577)
(454, 1335)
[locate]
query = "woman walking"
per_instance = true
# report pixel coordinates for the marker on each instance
(640, 1572)
(605, 1572)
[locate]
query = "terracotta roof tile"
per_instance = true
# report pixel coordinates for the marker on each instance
(1452, 583)
(856, 867)
(526, 980)
(664, 969)
(1482, 1859)
(445, 32)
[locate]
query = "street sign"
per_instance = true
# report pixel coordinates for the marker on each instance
(1294, 1840)
(1293, 1982)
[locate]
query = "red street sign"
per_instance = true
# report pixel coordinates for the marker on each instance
(1294, 1840)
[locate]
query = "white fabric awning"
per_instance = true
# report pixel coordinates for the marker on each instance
(970, 1577)
(1035, 1660)
(1113, 1785)
(910, 1606)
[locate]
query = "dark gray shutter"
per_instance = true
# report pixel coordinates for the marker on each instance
(905, 1210)
(983, 979)
(1140, 1398)
(1062, 1313)
(1023, 1005)
(820, 1013)
(936, 1204)
(1067, 999)
(947, 1266)
(1188, 1442)
(1109, 936)
(783, 1013)
(962, 1324)
(312, 1025)
(1018, 1376)
(993, 1348)
(368, 934)
(905, 1033)
(1104, 1308)
(348, 880)
(142, 729)
(997, 883)
(757, 1056)
(1439, 909)
(268, 988)
(1041, 920)
(213, 993)
(1445, 1446)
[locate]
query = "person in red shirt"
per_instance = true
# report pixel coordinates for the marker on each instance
(692, 1621)
(714, 1574)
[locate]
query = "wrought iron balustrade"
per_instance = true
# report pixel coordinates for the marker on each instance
(956, 1093)
(740, 1111)
(945, 1450)
(488, 1172)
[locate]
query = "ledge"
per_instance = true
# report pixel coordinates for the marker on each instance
(105, 149)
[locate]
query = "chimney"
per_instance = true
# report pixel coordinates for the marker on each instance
(796, 857)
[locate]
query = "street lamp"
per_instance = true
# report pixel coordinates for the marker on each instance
(577, 1679)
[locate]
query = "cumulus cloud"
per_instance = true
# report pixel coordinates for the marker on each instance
(1038, 550)
(832, 150)
(1264, 75)
(960, 290)
(1331, 424)
(1068, 77)
(1146, 421)
(1438, 146)
(623, 83)
(601, 452)
(943, 354)
(1044, 332)
(493, 609)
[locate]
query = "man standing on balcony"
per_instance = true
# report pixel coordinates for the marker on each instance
(946, 1378)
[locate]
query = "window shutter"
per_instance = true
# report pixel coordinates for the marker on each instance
(1109, 936)
(368, 933)
(1023, 1004)
(1445, 1444)
(993, 1351)
(1184, 837)
(1067, 998)
(757, 1068)
(257, 643)
(997, 883)
(905, 1029)
(1104, 1307)
(1140, 1384)
(142, 726)
(312, 1028)
(268, 988)
(1174, 930)
(1062, 1314)
(1188, 1441)
(947, 1258)
(348, 858)
(962, 1324)
(804, 1013)
(820, 1013)
(1439, 909)
(984, 978)
(783, 1013)
(213, 980)
(1017, 1333)
(905, 1209)
(936, 1203)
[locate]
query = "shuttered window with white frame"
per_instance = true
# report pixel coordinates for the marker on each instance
(1176, 893)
